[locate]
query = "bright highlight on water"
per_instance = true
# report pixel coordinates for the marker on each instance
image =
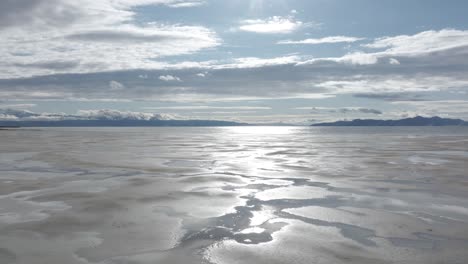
(234, 195)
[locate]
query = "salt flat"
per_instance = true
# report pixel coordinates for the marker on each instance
(234, 195)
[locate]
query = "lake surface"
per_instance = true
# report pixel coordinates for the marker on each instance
(234, 195)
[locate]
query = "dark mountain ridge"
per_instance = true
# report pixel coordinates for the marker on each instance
(414, 121)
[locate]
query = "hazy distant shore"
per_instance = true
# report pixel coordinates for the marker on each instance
(416, 121)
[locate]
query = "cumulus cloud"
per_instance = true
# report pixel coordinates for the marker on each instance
(361, 110)
(444, 47)
(272, 25)
(394, 61)
(169, 78)
(37, 35)
(46, 14)
(381, 70)
(116, 86)
(325, 40)
(107, 114)
(8, 114)
(246, 78)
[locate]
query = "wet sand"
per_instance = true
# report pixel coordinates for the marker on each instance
(234, 195)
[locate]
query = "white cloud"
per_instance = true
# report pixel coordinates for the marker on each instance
(326, 40)
(342, 110)
(182, 4)
(253, 62)
(394, 61)
(169, 3)
(42, 33)
(369, 71)
(272, 25)
(448, 46)
(8, 114)
(108, 114)
(355, 58)
(119, 48)
(115, 86)
(169, 78)
(394, 84)
(421, 43)
(16, 106)
(205, 107)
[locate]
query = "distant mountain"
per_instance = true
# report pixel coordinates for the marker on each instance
(415, 121)
(99, 118)
(118, 123)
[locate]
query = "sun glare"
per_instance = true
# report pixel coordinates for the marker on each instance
(261, 130)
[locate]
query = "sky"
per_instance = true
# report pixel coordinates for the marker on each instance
(255, 61)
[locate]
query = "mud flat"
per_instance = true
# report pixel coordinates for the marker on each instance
(234, 195)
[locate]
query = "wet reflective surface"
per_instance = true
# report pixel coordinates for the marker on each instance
(234, 195)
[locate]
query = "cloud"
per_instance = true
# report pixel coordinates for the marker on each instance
(393, 61)
(371, 73)
(242, 78)
(205, 107)
(437, 107)
(429, 48)
(56, 65)
(115, 86)
(106, 114)
(355, 58)
(395, 84)
(7, 114)
(391, 97)
(37, 36)
(272, 25)
(421, 43)
(361, 110)
(169, 3)
(169, 78)
(152, 33)
(326, 40)
(16, 106)
(254, 62)
(342, 110)
(182, 4)
(46, 14)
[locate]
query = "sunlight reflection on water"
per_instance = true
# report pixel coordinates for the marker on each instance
(234, 195)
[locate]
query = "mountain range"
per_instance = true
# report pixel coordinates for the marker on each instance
(414, 121)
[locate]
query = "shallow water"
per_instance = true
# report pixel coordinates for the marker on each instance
(234, 195)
